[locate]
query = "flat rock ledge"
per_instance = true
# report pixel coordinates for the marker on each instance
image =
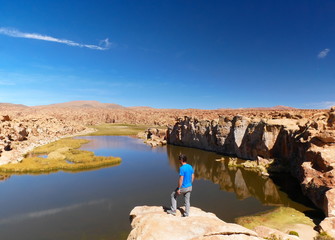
(153, 223)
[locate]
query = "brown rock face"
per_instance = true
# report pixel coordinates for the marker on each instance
(241, 136)
(304, 142)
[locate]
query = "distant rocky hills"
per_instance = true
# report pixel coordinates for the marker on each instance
(82, 104)
(94, 112)
(6, 106)
(278, 107)
(97, 104)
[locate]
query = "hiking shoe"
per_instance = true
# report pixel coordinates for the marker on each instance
(171, 212)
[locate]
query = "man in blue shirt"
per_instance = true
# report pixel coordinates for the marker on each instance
(186, 177)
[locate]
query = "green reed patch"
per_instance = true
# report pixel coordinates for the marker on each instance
(61, 155)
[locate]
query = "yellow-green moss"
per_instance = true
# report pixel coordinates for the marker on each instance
(118, 129)
(280, 218)
(61, 155)
(323, 236)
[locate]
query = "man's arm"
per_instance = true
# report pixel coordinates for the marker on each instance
(180, 182)
(192, 177)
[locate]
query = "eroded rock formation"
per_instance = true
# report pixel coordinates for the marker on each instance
(303, 143)
(153, 137)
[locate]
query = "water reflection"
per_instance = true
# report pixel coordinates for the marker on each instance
(245, 184)
(4, 177)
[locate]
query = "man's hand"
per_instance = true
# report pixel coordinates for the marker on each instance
(178, 191)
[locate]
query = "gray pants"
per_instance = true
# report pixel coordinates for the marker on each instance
(187, 195)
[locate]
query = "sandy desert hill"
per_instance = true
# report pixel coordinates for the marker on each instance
(11, 106)
(82, 104)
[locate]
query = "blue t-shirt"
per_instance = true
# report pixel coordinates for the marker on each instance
(186, 171)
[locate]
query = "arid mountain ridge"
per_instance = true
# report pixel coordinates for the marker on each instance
(94, 112)
(97, 104)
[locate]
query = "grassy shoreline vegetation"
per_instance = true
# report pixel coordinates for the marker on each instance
(60, 155)
(115, 129)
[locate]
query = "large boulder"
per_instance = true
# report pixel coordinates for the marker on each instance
(152, 132)
(153, 223)
(5, 118)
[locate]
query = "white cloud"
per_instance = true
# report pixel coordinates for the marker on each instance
(323, 53)
(105, 43)
(15, 33)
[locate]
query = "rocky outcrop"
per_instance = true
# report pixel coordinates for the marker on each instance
(152, 223)
(305, 145)
(153, 137)
(18, 136)
(239, 136)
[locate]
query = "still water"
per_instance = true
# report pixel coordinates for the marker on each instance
(96, 204)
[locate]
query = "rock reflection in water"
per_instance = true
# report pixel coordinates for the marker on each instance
(4, 177)
(243, 183)
(241, 187)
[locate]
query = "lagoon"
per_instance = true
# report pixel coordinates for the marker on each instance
(96, 204)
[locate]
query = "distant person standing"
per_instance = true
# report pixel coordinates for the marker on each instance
(186, 177)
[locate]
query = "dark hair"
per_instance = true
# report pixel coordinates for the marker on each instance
(183, 157)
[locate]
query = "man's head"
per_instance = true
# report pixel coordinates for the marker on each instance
(182, 158)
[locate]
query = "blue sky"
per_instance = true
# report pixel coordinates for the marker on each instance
(169, 54)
